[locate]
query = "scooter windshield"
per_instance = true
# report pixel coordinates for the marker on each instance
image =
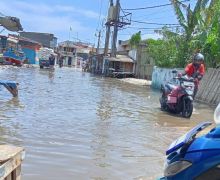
(217, 115)
(180, 142)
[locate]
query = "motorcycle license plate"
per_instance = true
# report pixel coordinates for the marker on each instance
(172, 99)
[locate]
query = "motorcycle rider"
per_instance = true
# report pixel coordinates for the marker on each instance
(196, 69)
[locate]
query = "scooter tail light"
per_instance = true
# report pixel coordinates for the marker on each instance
(176, 167)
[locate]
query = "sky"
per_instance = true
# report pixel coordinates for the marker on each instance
(82, 19)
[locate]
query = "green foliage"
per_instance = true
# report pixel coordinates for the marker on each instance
(211, 47)
(135, 39)
(200, 31)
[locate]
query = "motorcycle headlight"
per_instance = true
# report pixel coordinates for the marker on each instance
(176, 167)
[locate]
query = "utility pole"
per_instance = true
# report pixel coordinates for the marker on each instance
(99, 36)
(107, 36)
(115, 34)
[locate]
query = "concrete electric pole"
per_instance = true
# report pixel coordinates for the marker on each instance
(117, 21)
(98, 45)
(115, 34)
(107, 36)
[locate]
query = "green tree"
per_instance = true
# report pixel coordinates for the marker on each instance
(189, 20)
(210, 36)
(164, 51)
(200, 30)
(135, 39)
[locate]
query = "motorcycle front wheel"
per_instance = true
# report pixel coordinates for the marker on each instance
(187, 108)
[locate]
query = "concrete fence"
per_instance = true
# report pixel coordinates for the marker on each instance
(209, 89)
(162, 76)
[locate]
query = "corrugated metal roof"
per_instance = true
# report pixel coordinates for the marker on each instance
(20, 38)
(120, 58)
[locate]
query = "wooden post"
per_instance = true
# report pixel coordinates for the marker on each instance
(11, 158)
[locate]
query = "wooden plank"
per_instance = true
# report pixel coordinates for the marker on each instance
(216, 90)
(11, 161)
(18, 173)
(7, 152)
(9, 166)
(210, 84)
(212, 89)
(9, 177)
(209, 90)
(204, 84)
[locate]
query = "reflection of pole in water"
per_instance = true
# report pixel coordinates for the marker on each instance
(51, 75)
(101, 133)
(104, 109)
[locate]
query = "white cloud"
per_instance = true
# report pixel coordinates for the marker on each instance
(45, 9)
(152, 35)
(55, 19)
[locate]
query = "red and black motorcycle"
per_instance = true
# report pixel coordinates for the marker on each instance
(178, 94)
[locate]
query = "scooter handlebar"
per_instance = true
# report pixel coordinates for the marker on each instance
(185, 79)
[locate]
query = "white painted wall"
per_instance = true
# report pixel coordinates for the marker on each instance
(162, 76)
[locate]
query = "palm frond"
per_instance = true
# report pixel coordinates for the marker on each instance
(179, 13)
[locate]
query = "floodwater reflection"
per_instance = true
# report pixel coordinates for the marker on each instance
(77, 126)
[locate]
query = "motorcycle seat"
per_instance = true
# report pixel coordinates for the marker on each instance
(170, 86)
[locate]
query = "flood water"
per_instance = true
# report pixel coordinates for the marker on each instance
(74, 125)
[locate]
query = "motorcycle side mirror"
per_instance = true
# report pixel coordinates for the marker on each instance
(174, 71)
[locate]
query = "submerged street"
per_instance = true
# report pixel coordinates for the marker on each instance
(74, 125)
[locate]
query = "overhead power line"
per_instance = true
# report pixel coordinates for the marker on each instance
(150, 28)
(160, 28)
(152, 7)
(142, 22)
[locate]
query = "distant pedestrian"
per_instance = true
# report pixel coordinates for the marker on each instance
(69, 61)
(61, 61)
(52, 60)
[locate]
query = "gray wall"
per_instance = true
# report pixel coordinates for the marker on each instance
(46, 39)
(162, 76)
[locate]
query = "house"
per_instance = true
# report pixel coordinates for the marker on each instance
(67, 49)
(119, 66)
(28, 46)
(96, 63)
(124, 46)
(46, 39)
(122, 65)
(143, 63)
(74, 52)
(3, 43)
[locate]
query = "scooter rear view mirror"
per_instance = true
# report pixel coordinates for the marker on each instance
(174, 71)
